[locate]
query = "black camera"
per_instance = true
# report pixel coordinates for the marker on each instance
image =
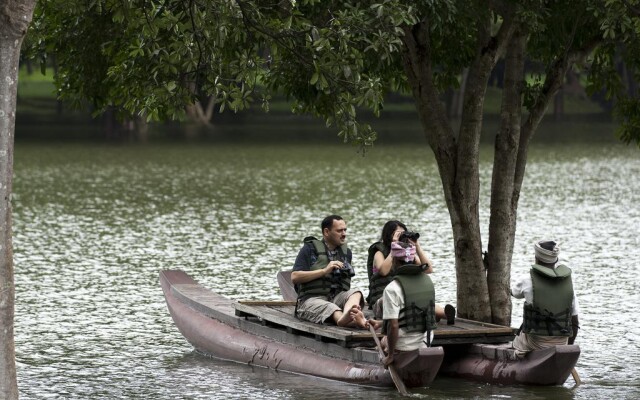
(408, 235)
(346, 269)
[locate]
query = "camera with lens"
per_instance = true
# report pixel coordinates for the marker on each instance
(346, 269)
(408, 235)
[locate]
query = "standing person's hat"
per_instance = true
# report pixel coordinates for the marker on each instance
(547, 251)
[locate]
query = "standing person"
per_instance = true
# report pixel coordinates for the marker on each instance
(322, 274)
(550, 314)
(381, 271)
(409, 314)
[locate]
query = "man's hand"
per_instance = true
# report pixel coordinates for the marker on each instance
(388, 360)
(333, 265)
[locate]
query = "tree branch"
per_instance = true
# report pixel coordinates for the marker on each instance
(17, 16)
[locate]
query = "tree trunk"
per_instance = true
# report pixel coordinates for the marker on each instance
(502, 223)
(15, 17)
(473, 294)
(457, 158)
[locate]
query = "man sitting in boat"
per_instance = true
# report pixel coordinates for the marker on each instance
(550, 314)
(407, 327)
(322, 274)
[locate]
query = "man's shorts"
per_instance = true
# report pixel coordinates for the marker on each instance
(320, 309)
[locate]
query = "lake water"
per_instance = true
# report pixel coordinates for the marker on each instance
(94, 225)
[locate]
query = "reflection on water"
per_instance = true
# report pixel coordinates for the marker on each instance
(94, 225)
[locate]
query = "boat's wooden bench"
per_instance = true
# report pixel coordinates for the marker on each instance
(280, 313)
(466, 331)
(463, 332)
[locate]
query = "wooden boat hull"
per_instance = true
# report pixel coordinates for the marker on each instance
(498, 364)
(209, 323)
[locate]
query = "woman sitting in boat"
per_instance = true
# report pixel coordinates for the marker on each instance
(407, 327)
(322, 274)
(381, 270)
(550, 314)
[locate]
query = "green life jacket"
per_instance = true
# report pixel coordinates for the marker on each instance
(330, 284)
(419, 312)
(550, 313)
(377, 282)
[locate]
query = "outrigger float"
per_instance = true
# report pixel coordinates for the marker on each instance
(266, 334)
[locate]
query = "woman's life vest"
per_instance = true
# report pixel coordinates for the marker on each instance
(331, 284)
(419, 312)
(550, 313)
(377, 282)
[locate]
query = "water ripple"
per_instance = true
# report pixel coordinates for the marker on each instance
(94, 226)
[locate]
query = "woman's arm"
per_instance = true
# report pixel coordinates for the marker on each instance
(382, 264)
(421, 258)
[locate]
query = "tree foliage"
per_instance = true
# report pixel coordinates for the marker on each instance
(329, 57)
(333, 58)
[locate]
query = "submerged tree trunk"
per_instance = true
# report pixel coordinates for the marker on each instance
(502, 223)
(15, 17)
(457, 157)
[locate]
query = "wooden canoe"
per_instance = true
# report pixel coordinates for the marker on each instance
(482, 352)
(267, 334)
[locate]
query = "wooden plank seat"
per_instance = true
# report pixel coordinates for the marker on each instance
(466, 331)
(280, 313)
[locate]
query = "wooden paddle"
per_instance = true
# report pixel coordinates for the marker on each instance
(576, 377)
(394, 374)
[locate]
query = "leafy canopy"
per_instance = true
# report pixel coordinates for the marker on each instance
(330, 58)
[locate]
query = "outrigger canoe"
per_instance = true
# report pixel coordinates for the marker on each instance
(482, 352)
(267, 334)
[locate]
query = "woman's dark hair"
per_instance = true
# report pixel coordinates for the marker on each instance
(388, 229)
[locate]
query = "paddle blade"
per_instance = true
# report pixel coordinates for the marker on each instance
(576, 377)
(397, 380)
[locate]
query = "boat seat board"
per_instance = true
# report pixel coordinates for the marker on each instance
(281, 313)
(462, 332)
(467, 331)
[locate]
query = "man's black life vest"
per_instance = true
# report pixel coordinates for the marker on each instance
(550, 313)
(330, 284)
(419, 312)
(377, 282)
